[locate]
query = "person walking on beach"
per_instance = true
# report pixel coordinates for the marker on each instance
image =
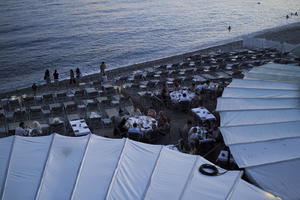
(55, 76)
(78, 73)
(229, 28)
(34, 88)
(47, 76)
(72, 77)
(102, 68)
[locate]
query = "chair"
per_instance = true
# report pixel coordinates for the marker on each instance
(111, 112)
(28, 101)
(48, 98)
(36, 112)
(58, 128)
(107, 123)
(70, 107)
(94, 120)
(184, 106)
(62, 96)
(20, 114)
(57, 109)
(153, 137)
(79, 93)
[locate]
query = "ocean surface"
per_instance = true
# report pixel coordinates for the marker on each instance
(64, 34)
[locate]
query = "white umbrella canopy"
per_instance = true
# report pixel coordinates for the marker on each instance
(260, 122)
(94, 167)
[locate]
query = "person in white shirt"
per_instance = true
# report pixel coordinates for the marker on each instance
(21, 129)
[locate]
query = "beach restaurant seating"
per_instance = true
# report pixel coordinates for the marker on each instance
(56, 109)
(28, 100)
(48, 98)
(36, 112)
(70, 107)
(57, 125)
(94, 120)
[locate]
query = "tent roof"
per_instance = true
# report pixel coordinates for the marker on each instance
(260, 122)
(93, 167)
(275, 72)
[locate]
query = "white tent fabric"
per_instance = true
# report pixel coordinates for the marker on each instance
(262, 84)
(250, 117)
(259, 93)
(260, 122)
(93, 167)
(229, 104)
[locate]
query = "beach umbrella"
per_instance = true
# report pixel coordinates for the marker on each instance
(260, 123)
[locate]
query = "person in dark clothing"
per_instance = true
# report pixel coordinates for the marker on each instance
(72, 77)
(102, 68)
(47, 76)
(55, 76)
(34, 88)
(229, 28)
(78, 73)
(165, 94)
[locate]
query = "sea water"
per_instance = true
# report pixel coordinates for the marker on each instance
(65, 34)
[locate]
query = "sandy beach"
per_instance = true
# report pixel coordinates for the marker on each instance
(282, 34)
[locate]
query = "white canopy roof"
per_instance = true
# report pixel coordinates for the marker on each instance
(260, 122)
(93, 167)
(275, 72)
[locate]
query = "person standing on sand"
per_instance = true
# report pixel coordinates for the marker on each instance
(34, 88)
(72, 77)
(55, 75)
(102, 68)
(47, 76)
(78, 73)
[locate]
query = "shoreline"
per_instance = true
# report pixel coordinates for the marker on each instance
(126, 69)
(280, 33)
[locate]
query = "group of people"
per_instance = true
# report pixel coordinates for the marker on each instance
(74, 76)
(24, 130)
(47, 76)
(191, 133)
(292, 14)
(196, 89)
(120, 128)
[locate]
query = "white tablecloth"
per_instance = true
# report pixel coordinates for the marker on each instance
(177, 96)
(145, 123)
(201, 131)
(203, 114)
(80, 127)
